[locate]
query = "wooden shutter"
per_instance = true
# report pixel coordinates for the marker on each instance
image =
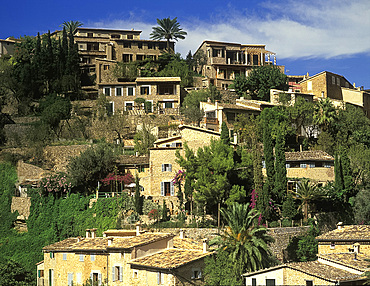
(162, 188)
(120, 273)
(172, 188)
(162, 167)
(170, 167)
(99, 278)
(113, 274)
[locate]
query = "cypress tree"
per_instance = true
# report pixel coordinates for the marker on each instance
(268, 153)
(339, 185)
(280, 169)
(225, 138)
(138, 197)
(165, 216)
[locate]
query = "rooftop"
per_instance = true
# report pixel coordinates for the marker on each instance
(187, 243)
(158, 79)
(349, 259)
(101, 243)
(316, 155)
(169, 258)
(347, 233)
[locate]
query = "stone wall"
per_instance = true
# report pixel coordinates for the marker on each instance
(22, 205)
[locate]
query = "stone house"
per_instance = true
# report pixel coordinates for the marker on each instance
(163, 166)
(342, 255)
(123, 257)
(225, 60)
(316, 165)
(164, 95)
(7, 46)
(337, 88)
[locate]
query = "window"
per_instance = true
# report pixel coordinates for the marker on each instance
(166, 89)
(196, 273)
(118, 91)
(312, 165)
(106, 91)
(141, 169)
(218, 53)
(81, 257)
(95, 278)
(127, 58)
(52, 255)
(51, 277)
(332, 245)
(309, 283)
(117, 273)
(333, 80)
(127, 45)
(270, 282)
(115, 36)
(92, 46)
(92, 257)
(129, 105)
(287, 165)
(40, 273)
(139, 57)
(254, 282)
(130, 37)
(167, 189)
(327, 165)
(105, 67)
(130, 90)
(166, 167)
(70, 279)
(140, 45)
(110, 108)
(145, 90)
(135, 274)
(168, 104)
(338, 81)
(90, 35)
(150, 46)
(64, 256)
(160, 278)
(302, 165)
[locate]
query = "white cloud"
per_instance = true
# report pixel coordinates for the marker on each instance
(292, 29)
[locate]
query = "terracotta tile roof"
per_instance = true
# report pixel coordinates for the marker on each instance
(308, 155)
(62, 245)
(143, 239)
(323, 271)
(131, 159)
(187, 243)
(347, 233)
(348, 259)
(169, 258)
(101, 243)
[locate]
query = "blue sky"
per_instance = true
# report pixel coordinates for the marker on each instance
(307, 36)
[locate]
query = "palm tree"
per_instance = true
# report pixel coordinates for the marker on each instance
(169, 30)
(244, 240)
(71, 26)
(307, 192)
(325, 113)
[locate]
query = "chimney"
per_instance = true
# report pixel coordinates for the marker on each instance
(205, 246)
(93, 232)
(340, 225)
(110, 241)
(87, 233)
(138, 228)
(356, 248)
(181, 233)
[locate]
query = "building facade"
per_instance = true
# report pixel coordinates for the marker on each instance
(222, 61)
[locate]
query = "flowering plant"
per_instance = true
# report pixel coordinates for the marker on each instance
(58, 183)
(179, 177)
(153, 214)
(254, 197)
(113, 177)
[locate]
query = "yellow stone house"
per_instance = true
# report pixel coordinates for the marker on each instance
(342, 256)
(123, 257)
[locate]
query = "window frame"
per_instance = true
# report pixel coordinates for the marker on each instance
(119, 88)
(145, 87)
(105, 89)
(128, 103)
(128, 88)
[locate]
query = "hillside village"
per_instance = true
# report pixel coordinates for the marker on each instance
(124, 164)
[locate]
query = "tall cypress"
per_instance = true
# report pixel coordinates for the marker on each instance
(280, 169)
(225, 138)
(268, 152)
(339, 185)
